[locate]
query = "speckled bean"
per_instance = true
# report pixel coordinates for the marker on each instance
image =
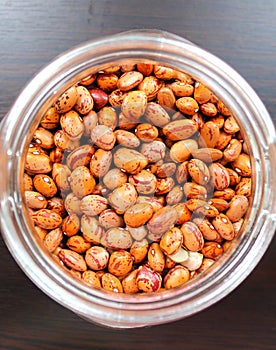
(120, 263)
(148, 280)
(47, 219)
(156, 114)
(176, 276)
(130, 160)
(96, 258)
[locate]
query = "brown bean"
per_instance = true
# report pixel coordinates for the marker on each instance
(145, 68)
(67, 100)
(181, 89)
(134, 104)
(91, 230)
(207, 229)
(111, 283)
(82, 181)
(192, 237)
(198, 171)
(109, 218)
(150, 86)
(180, 129)
(107, 81)
(202, 94)
(162, 220)
(53, 239)
(171, 241)
(238, 206)
(224, 226)
(100, 98)
(93, 204)
(176, 276)
(148, 280)
(232, 151)
(129, 283)
(244, 187)
(242, 165)
(91, 278)
(182, 150)
(120, 263)
(139, 250)
(220, 176)
(156, 258)
(72, 124)
(38, 163)
(80, 156)
(108, 117)
(166, 98)
(123, 197)
(127, 139)
(146, 132)
(44, 138)
(96, 258)
(50, 119)
(35, 200)
(187, 105)
(156, 114)
(72, 259)
(212, 250)
(84, 103)
(103, 137)
(138, 214)
(47, 219)
(129, 80)
(130, 160)
(209, 109)
(100, 162)
(78, 244)
(71, 225)
(175, 195)
(209, 135)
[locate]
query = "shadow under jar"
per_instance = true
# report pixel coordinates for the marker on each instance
(123, 310)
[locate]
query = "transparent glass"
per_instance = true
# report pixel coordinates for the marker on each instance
(119, 310)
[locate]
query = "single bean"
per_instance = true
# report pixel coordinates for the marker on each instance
(67, 100)
(91, 230)
(139, 250)
(148, 280)
(180, 129)
(84, 103)
(176, 276)
(72, 259)
(192, 237)
(82, 181)
(156, 258)
(108, 117)
(150, 86)
(120, 263)
(138, 214)
(103, 137)
(47, 219)
(111, 283)
(96, 258)
(130, 160)
(171, 241)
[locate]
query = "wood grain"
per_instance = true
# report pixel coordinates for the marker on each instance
(243, 33)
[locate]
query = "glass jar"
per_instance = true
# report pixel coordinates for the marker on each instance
(120, 310)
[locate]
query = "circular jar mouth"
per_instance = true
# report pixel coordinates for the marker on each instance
(119, 310)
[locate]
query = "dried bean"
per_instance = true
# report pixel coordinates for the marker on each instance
(142, 174)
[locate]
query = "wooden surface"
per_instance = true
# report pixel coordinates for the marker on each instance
(243, 33)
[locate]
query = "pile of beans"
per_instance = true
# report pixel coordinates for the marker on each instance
(137, 178)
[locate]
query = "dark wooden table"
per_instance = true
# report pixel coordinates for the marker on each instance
(243, 33)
